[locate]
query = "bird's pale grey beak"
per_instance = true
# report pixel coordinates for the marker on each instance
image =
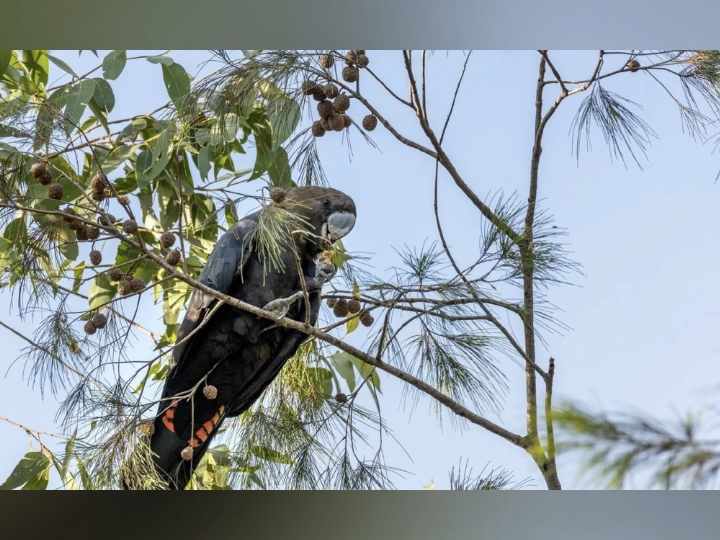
(340, 224)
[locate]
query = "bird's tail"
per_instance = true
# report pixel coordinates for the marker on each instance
(176, 456)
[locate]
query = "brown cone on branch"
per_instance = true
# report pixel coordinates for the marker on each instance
(122, 199)
(115, 274)
(633, 65)
(350, 58)
(337, 122)
(98, 196)
(45, 178)
(100, 320)
(277, 194)
(327, 61)
(210, 391)
(95, 257)
(362, 60)
(167, 240)
(369, 122)
(330, 90)
(325, 109)
(341, 398)
(99, 182)
(81, 233)
(90, 328)
(137, 284)
(74, 225)
(341, 308)
(317, 129)
(130, 226)
(366, 319)
(38, 169)
(124, 287)
(354, 306)
(341, 103)
(348, 121)
(319, 96)
(325, 124)
(173, 257)
(331, 302)
(55, 192)
(107, 219)
(308, 87)
(70, 215)
(350, 74)
(93, 233)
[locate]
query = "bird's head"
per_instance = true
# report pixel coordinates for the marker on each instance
(330, 213)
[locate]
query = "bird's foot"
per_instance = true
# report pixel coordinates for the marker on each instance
(324, 272)
(281, 306)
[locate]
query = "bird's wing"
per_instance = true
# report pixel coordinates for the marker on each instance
(224, 263)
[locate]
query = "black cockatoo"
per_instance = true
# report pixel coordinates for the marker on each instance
(238, 353)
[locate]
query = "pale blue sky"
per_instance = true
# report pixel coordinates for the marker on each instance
(643, 319)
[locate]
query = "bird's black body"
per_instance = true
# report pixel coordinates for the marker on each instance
(238, 353)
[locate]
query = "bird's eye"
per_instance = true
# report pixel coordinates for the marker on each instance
(326, 203)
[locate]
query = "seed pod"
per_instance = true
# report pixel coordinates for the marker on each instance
(319, 96)
(359, 51)
(130, 226)
(308, 87)
(331, 302)
(210, 391)
(98, 196)
(107, 219)
(100, 320)
(99, 182)
(147, 429)
(122, 199)
(348, 120)
(137, 284)
(354, 306)
(341, 398)
(167, 240)
(95, 257)
(70, 215)
(187, 453)
(341, 309)
(115, 274)
(38, 169)
(93, 233)
(55, 192)
(81, 233)
(633, 65)
(74, 225)
(45, 178)
(325, 109)
(367, 319)
(350, 58)
(277, 194)
(317, 129)
(327, 61)
(173, 257)
(89, 328)
(369, 122)
(324, 124)
(337, 122)
(330, 90)
(341, 103)
(124, 288)
(350, 74)
(362, 61)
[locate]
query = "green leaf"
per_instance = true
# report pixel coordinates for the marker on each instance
(268, 454)
(177, 83)
(343, 364)
(40, 481)
(77, 99)
(31, 465)
(279, 170)
(231, 215)
(169, 211)
(352, 324)
(175, 296)
(101, 292)
(5, 57)
(103, 94)
(322, 380)
(113, 64)
(100, 116)
(136, 126)
(87, 482)
(77, 276)
(164, 60)
(366, 371)
(204, 162)
(69, 246)
(117, 157)
(62, 65)
(65, 475)
(162, 152)
(37, 62)
(143, 162)
(284, 115)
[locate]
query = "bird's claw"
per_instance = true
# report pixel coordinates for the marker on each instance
(324, 272)
(281, 306)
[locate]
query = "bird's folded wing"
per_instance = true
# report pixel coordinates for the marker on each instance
(224, 263)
